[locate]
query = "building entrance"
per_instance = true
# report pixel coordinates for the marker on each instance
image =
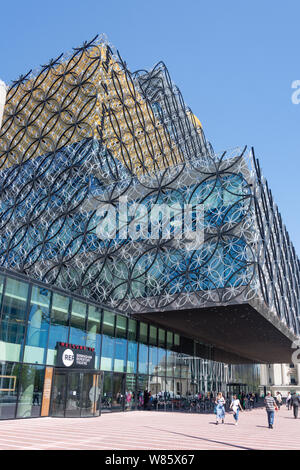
(76, 394)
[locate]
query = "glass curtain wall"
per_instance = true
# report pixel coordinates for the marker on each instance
(145, 366)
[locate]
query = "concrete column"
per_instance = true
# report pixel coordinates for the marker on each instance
(264, 375)
(277, 374)
(284, 369)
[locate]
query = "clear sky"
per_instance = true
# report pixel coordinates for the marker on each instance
(233, 60)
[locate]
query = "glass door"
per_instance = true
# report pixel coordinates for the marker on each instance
(130, 392)
(118, 392)
(76, 394)
(59, 390)
(90, 395)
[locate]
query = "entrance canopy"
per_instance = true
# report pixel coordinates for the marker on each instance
(239, 333)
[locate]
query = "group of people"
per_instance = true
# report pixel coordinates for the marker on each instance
(293, 402)
(272, 404)
(235, 406)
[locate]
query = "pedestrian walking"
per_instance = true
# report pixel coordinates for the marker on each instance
(278, 399)
(288, 401)
(220, 408)
(295, 402)
(270, 409)
(236, 407)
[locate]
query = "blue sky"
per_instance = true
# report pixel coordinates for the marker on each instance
(234, 62)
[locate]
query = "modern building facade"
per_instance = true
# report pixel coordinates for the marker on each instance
(132, 256)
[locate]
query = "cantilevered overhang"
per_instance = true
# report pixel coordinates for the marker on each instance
(240, 333)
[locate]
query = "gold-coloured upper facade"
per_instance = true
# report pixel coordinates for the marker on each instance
(89, 95)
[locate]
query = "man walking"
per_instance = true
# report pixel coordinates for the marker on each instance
(270, 409)
(295, 401)
(278, 399)
(288, 401)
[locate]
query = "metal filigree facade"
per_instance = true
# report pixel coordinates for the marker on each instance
(85, 133)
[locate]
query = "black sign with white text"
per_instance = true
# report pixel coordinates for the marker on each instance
(72, 356)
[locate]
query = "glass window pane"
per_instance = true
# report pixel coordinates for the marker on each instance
(161, 361)
(108, 340)
(59, 325)
(130, 396)
(132, 324)
(143, 332)
(142, 385)
(30, 391)
(173, 364)
(77, 328)
(132, 357)
(9, 376)
(107, 353)
(153, 335)
(161, 338)
(143, 359)
(94, 331)
(38, 326)
(120, 355)
(169, 339)
(1, 287)
(121, 327)
(108, 323)
(186, 364)
(153, 360)
(12, 328)
(106, 396)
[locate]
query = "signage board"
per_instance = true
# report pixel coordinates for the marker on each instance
(71, 356)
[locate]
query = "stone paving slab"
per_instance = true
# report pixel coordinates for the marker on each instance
(145, 430)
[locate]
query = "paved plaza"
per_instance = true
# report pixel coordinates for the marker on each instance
(146, 430)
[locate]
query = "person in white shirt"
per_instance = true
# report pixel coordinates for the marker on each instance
(236, 407)
(278, 399)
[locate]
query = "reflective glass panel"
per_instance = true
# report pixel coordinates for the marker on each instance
(59, 325)
(143, 359)
(153, 360)
(12, 327)
(120, 355)
(107, 353)
(161, 361)
(143, 333)
(94, 331)
(30, 391)
(108, 323)
(9, 376)
(161, 338)
(78, 320)
(132, 357)
(121, 327)
(130, 395)
(132, 347)
(38, 326)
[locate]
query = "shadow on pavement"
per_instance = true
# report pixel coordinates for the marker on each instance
(202, 438)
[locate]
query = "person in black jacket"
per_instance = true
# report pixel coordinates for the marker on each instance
(295, 402)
